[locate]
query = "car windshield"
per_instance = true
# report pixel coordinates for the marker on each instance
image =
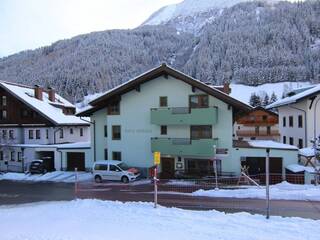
(123, 166)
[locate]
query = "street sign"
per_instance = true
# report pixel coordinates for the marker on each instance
(156, 157)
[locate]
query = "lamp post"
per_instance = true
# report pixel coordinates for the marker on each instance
(267, 183)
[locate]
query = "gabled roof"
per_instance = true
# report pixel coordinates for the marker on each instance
(50, 110)
(132, 84)
(304, 93)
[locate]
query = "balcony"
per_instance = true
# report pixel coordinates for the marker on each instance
(252, 133)
(184, 116)
(184, 146)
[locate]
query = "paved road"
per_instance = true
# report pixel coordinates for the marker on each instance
(26, 192)
(21, 192)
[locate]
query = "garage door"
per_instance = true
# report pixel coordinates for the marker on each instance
(257, 165)
(75, 160)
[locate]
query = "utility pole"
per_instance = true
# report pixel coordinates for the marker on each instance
(267, 183)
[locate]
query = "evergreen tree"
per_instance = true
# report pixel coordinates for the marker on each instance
(255, 100)
(266, 100)
(273, 98)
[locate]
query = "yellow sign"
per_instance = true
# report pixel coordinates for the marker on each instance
(156, 157)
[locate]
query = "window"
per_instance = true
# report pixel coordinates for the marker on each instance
(101, 167)
(291, 121)
(291, 142)
(11, 132)
(12, 156)
(71, 130)
(37, 134)
(30, 134)
(284, 121)
(1, 155)
(114, 168)
(300, 121)
(199, 101)
(268, 130)
(3, 114)
(116, 132)
(19, 156)
(105, 131)
(81, 132)
(257, 130)
(47, 133)
(163, 102)
(4, 100)
(201, 132)
(300, 144)
(264, 118)
(106, 154)
(61, 133)
(284, 139)
(163, 130)
(116, 156)
(114, 108)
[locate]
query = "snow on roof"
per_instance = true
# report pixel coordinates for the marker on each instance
(307, 152)
(59, 146)
(270, 144)
(44, 107)
(295, 98)
(299, 168)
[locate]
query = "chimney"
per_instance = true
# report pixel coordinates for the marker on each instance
(226, 88)
(38, 92)
(52, 94)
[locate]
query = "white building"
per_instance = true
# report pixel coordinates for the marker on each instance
(32, 122)
(299, 121)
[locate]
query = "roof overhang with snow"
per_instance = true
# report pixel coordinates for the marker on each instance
(264, 144)
(162, 70)
(308, 93)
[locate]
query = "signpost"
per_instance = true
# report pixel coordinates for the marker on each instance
(156, 158)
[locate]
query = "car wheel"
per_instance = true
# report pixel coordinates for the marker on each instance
(97, 179)
(125, 179)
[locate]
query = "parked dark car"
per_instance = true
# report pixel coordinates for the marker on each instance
(37, 167)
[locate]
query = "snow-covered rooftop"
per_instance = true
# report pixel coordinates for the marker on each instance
(76, 145)
(295, 98)
(270, 144)
(307, 152)
(44, 107)
(299, 168)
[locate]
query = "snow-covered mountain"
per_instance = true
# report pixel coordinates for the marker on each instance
(193, 15)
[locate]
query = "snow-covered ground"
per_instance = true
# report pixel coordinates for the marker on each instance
(95, 220)
(243, 92)
(57, 176)
(284, 190)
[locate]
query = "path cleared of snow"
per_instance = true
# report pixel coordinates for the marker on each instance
(57, 176)
(281, 191)
(95, 220)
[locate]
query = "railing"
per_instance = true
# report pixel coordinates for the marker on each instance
(184, 146)
(184, 116)
(252, 133)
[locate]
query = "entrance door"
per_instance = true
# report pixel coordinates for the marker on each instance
(75, 160)
(167, 167)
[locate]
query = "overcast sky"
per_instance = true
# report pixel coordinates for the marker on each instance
(28, 24)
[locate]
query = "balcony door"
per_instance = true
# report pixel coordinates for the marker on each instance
(201, 132)
(199, 101)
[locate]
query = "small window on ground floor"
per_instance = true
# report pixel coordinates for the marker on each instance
(116, 156)
(106, 154)
(12, 156)
(284, 139)
(291, 142)
(1, 155)
(300, 144)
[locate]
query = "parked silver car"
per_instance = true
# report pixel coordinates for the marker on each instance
(113, 170)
